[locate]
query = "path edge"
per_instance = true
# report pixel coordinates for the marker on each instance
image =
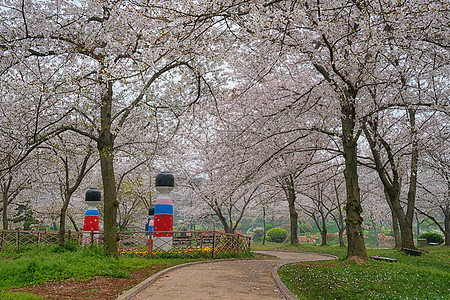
(285, 292)
(134, 291)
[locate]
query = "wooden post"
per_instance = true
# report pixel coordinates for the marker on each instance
(214, 245)
(92, 237)
(17, 240)
(68, 235)
(238, 246)
(39, 237)
(150, 251)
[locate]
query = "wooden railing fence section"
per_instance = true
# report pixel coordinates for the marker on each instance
(139, 242)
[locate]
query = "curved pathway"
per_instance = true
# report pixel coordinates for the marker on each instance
(249, 279)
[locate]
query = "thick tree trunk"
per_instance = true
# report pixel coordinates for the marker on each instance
(105, 147)
(110, 200)
(356, 249)
(406, 234)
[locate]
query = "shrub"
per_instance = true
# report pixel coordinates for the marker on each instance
(432, 237)
(277, 235)
(258, 234)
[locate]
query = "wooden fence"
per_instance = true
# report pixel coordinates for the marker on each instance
(139, 242)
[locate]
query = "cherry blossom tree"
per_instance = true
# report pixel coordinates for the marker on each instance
(350, 45)
(434, 180)
(72, 159)
(13, 181)
(338, 213)
(100, 49)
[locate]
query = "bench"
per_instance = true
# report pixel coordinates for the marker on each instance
(384, 258)
(413, 252)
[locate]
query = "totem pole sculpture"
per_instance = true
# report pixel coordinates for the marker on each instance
(163, 212)
(91, 218)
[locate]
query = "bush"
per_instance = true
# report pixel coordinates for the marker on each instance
(277, 235)
(258, 234)
(432, 237)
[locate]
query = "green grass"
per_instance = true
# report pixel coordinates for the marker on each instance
(35, 266)
(411, 277)
(18, 296)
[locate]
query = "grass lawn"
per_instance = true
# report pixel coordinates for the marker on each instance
(34, 266)
(411, 277)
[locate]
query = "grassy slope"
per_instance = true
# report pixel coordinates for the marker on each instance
(34, 266)
(411, 277)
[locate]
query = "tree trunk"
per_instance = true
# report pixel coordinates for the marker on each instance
(5, 211)
(340, 221)
(396, 230)
(73, 222)
(446, 211)
(226, 227)
(68, 192)
(408, 237)
(406, 231)
(62, 219)
(356, 249)
(5, 191)
(341, 239)
(323, 231)
(63, 214)
(447, 228)
(293, 215)
(392, 186)
(105, 147)
(406, 234)
(374, 227)
(264, 226)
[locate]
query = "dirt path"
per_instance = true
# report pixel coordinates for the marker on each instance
(231, 279)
